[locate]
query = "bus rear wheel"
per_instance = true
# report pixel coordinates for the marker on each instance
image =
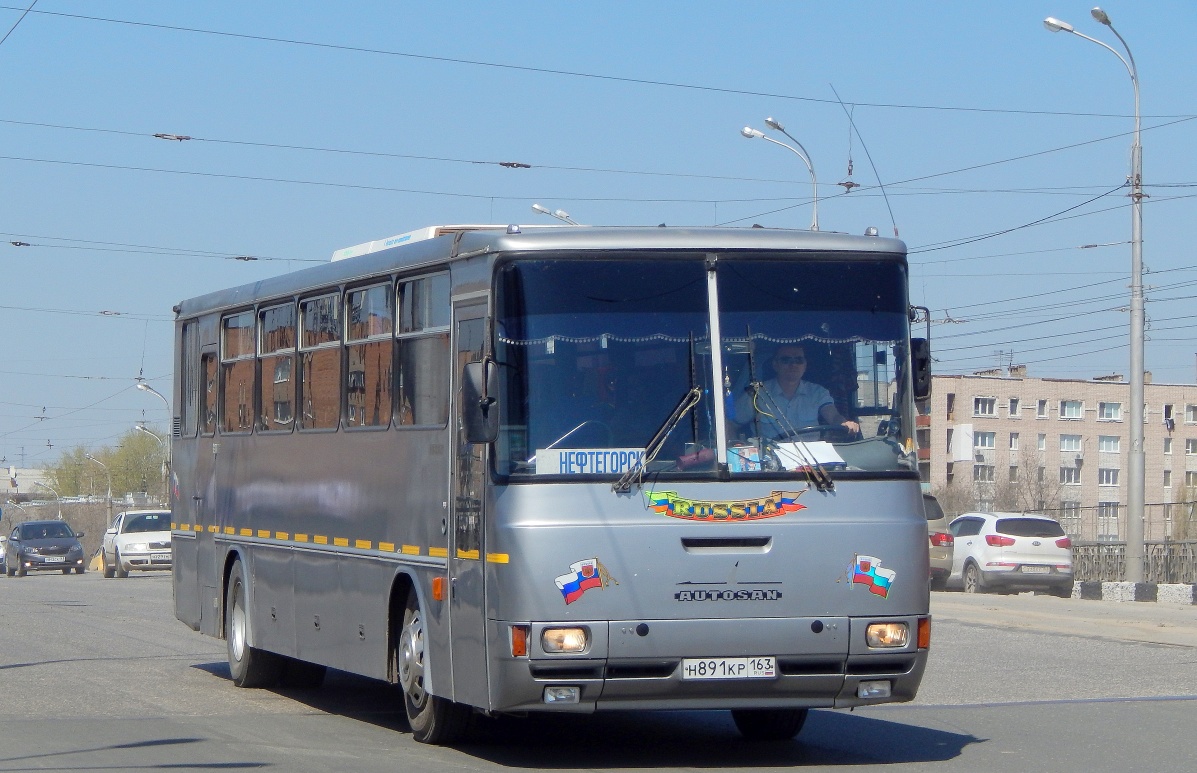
(249, 666)
(769, 724)
(433, 720)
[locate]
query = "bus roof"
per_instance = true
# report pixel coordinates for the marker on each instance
(436, 245)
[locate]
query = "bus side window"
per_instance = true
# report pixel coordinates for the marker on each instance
(422, 352)
(320, 362)
(237, 372)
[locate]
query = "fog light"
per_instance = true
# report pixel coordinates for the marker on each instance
(878, 689)
(566, 694)
(564, 639)
(887, 634)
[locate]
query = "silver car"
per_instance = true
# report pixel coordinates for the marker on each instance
(137, 540)
(1010, 551)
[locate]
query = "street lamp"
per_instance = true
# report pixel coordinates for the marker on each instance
(144, 387)
(55, 493)
(1135, 485)
(140, 427)
(800, 151)
(109, 475)
(560, 214)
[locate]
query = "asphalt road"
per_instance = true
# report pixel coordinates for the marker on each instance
(96, 675)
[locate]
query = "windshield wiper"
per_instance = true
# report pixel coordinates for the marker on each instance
(653, 447)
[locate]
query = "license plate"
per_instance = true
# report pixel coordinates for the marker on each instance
(53, 559)
(729, 668)
(1027, 569)
(160, 557)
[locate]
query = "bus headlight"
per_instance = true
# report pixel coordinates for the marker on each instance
(887, 634)
(564, 639)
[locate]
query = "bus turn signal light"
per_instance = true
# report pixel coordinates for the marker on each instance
(924, 633)
(519, 641)
(438, 588)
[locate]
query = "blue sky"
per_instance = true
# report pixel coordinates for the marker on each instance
(977, 119)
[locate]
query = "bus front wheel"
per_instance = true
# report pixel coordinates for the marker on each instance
(249, 666)
(433, 719)
(769, 724)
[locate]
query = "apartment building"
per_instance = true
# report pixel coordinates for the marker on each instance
(1003, 441)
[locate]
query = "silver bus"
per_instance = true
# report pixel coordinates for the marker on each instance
(562, 469)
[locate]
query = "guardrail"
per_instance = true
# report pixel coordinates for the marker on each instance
(1167, 561)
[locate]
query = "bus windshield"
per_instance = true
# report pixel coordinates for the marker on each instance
(596, 355)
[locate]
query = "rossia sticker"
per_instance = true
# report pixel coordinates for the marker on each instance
(867, 571)
(777, 503)
(587, 574)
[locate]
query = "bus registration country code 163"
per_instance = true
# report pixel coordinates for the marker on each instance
(729, 668)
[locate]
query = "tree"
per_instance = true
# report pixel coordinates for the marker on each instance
(135, 464)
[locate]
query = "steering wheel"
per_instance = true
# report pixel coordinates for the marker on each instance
(833, 432)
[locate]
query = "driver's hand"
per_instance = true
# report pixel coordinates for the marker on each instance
(851, 426)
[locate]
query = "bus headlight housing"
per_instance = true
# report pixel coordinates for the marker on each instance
(887, 634)
(565, 639)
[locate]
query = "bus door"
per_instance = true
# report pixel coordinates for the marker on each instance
(202, 496)
(467, 602)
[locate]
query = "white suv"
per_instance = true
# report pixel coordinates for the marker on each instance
(1010, 551)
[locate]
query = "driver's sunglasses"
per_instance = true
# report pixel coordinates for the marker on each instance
(790, 360)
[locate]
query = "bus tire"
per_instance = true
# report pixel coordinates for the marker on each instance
(433, 720)
(769, 724)
(249, 666)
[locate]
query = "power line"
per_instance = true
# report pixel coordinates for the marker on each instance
(566, 73)
(18, 21)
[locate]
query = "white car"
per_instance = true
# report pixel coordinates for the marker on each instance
(137, 539)
(1015, 551)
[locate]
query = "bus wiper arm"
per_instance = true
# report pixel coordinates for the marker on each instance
(653, 447)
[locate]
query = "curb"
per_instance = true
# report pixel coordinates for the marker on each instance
(1167, 593)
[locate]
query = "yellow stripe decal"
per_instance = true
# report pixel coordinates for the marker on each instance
(386, 547)
(412, 550)
(320, 539)
(341, 542)
(229, 530)
(174, 526)
(247, 532)
(301, 538)
(264, 533)
(498, 558)
(438, 552)
(282, 535)
(363, 544)
(471, 555)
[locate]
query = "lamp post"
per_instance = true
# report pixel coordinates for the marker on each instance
(109, 476)
(800, 151)
(140, 427)
(55, 493)
(147, 388)
(560, 214)
(1136, 483)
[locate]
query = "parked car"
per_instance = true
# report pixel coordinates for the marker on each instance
(35, 546)
(941, 542)
(137, 540)
(1010, 551)
(3, 562)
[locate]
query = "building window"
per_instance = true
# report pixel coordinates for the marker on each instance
(1190, 479)
(1070, 517)
(1014, 473)
(1070, 475)
(951, 407)
(1107, 476)
(1013, 406)
(985, 505)
(1191, 414)
(985, 440)
(1169, 419)
(1071, 409)
(1013, 441)
(949, 473)
(1070, 443)
(1167, 478)
(1041, 410)
(1167, 445)
(1190, 446)
(1041, 475)
(1109, 444)
(984, 406)
(1107, 521)
(1041, 442)
(1109, 411)
(983, 473)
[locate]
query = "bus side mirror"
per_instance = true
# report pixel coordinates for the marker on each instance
(920, 361)
(479, 408)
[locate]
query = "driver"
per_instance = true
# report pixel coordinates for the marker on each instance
(801, 403)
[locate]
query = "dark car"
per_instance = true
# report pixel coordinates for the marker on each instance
(36, 546)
